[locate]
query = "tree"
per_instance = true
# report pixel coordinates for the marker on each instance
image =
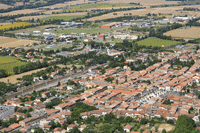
(16, 107)
(38, 130)
(144, 121)
(184, 124)
(103, 71)
(164, 131)
(20, 118)
(170, 122)
(167, 102)
(75, 130)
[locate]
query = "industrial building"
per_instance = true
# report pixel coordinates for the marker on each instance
(111, 25)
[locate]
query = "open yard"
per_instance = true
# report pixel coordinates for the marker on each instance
(153, 41)
(188, 33)
(167, 127)
(9, 63)
(13, 42)
(13, 79)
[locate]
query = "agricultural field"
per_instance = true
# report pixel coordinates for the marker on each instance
(9, 63)
(65, 16)
(100, 5)
(4, 6)
(187, 33)
(153, 41)
(143, 2)
(30, 30)
(1, 24)
(166, 11)
(15, 25)
(25, 11)
(13, 42)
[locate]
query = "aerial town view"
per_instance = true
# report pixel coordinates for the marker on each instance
(100, 66)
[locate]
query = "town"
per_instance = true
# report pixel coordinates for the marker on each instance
(90, 66)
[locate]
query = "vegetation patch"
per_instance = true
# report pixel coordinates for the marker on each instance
(101, 5)
(8, 64)
(17, 25)
(188, 32)
(65, 18)
(156, 42)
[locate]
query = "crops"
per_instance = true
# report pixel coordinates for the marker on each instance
(100, 5)
(8, 64)
(14, 42)
(65, 18)
(188, 33)
(153, 41)
(17, 25)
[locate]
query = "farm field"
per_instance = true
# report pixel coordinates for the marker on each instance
(30, 30)
(4, 6)
(65, 16)
(13, 79)
(142, 12)
(1, 24)
(13, 42)
(9, 63)
(153, 41)
(101, 5)
(143, 2)
(15, 25)
(25, 11)
(188, 33)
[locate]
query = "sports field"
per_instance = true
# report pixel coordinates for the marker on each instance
(9, 63)
(153, 41)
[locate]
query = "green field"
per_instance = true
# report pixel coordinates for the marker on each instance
(101, 5)
(65, 18)
(153, 41)
(8, 63)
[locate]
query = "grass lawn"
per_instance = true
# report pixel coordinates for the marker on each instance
(9, 63)
(153, 41)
